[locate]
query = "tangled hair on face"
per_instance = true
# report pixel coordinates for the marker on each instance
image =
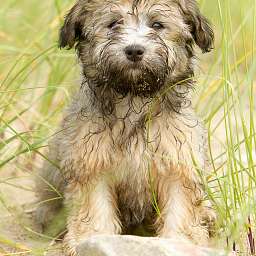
(152, 75)
(134, 4)
(72, 31)
(146, 85)
(109, 73)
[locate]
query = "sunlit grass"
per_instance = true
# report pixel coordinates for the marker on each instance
(37, 79)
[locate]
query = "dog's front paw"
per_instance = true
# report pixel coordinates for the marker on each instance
(69, 251)
(69, 245)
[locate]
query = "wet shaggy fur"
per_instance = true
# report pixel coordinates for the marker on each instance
(127, 148)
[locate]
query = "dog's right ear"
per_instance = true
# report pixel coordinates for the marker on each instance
(72, 29)
(200, 27)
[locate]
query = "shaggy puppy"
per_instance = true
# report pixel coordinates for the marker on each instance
(129, 143)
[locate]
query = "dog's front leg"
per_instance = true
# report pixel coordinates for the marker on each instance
(182, 210)
(93, 211)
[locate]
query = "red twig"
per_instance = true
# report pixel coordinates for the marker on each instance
(251, 238)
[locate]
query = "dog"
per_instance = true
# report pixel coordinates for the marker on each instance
(130, 147)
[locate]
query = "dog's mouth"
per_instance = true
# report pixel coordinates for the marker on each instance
(135, 65)
(141, 78)
(136, 81)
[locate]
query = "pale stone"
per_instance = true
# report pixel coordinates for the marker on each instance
(106, 245)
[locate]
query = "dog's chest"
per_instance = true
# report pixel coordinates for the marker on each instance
(131, 143)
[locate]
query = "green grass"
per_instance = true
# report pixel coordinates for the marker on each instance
(37, 79)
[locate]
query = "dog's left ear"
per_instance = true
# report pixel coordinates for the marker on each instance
(72, 29)
(200, 27)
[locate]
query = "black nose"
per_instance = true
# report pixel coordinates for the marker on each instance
(134, 52)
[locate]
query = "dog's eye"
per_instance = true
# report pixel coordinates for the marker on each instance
(115, 23)
(157, 25)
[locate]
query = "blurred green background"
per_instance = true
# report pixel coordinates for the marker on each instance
(37, 81)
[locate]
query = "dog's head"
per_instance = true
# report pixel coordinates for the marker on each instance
(136, 46)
